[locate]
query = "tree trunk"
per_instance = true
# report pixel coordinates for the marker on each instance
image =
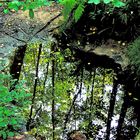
(34, 90)
(15, 68)
(91, 97)
(53, 92)
(111, 108)
(122, 114)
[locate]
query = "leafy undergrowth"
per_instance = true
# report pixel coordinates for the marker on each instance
(13, 104)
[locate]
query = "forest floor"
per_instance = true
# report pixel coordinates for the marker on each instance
(41, 15)
(17, 28)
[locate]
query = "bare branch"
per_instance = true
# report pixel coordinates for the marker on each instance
(47, 24)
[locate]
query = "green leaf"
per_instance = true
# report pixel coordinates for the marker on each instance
(4, 135)
(1, 119)
(13, 121)
(9, 99)
(31, 13)
(94, 1)
(10, 134)
(68, 6)
(118, 3)
(3, 124)
(79, 11)
(6, 11)
(107, 1)
(13, 5)
(7, 112)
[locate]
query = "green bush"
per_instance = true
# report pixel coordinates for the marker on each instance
(11, 114)
(133, 53)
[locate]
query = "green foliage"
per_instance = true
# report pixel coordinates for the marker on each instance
(68, 6)
(10, 114)
(31, 13)
(24, 5)
(79, 11)
(116, 3)
(133, 53)
(63, 86)
(138, 136)
(94, 1)
(75, 8)
(107, 1)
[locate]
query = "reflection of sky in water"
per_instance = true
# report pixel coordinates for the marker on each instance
(114, 124)
(82, 96)
(106, 99)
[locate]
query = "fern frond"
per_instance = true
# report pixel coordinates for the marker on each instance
(68, 7)
(79, 11)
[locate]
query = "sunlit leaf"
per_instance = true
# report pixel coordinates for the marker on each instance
(10, 134)
(118, 3)
(6, 11)
(31, 13)
(94, 1)
(107, 1)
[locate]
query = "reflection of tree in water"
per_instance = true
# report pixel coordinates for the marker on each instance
(70, 89)
(81, 101)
